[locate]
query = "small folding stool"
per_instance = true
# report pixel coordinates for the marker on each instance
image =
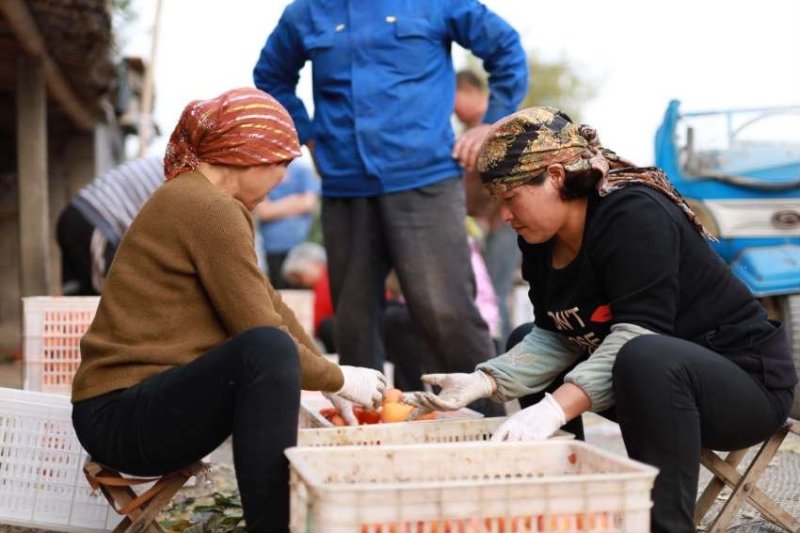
(140, 510)
(743, 486)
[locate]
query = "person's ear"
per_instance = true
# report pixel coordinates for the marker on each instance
(557, 174)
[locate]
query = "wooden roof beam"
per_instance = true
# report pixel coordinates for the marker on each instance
(30, 39)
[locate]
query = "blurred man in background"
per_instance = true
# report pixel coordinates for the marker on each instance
(391, 173)
(500, 250)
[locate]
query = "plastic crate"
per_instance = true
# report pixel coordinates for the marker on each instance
(53, 327)
(311, 418)
(52, 331)
(41, 467)
(422, 432)
(556, 485)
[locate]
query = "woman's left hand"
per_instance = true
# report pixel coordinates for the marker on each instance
(537, 422)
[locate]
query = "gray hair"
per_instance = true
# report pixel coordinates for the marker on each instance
(301, 257)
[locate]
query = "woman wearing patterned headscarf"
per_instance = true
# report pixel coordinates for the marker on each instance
(190, 343)
(636, 316)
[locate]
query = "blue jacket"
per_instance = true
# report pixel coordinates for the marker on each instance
(384, 85)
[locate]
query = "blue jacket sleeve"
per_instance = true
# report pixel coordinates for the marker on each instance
(278, 71)
(492, 39)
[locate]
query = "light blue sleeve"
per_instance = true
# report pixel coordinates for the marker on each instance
(594, 375)
(531, 365)
(488, 36)
(308, 180)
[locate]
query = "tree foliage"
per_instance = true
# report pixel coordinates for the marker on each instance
(553, 83)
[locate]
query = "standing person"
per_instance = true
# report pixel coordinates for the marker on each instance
(91, 227)
(189, 339)
(285, 217)
(307, 266)
(637, 318)
(384, 145)
(500, 251)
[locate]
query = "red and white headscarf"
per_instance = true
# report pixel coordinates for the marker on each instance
(241, 127)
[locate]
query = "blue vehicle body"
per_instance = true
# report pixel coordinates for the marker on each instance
(740, 171)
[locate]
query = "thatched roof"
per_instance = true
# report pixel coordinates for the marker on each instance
(74, 40)
(79, 38)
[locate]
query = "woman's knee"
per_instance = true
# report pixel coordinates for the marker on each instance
(268, 349)
(643, 358)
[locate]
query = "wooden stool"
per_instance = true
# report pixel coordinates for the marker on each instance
(140, 510)
(743, 487)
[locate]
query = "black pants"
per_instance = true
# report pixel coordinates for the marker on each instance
(419, 233)
(275, 262)
(248, 387)
(674, 396)
(74, 235)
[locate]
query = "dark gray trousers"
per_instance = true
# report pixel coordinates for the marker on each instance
(420, 234)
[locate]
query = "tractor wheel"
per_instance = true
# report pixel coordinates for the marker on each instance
(790, 314)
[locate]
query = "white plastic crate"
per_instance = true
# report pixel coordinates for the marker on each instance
(556, 485)
(53, 327)
(422, 432)
(52, 330)
(41, 467)
(311, 418)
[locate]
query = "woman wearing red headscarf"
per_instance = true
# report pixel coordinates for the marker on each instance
(190, 343)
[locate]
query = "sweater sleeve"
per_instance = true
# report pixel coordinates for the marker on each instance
(594, 375)
(224, 255)
(531, 365)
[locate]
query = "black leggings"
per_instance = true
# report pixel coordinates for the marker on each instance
(248, 387)
(672, 397)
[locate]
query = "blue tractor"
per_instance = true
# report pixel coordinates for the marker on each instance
(740, 172)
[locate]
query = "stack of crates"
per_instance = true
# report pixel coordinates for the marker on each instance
(52, 329)
(53, 326)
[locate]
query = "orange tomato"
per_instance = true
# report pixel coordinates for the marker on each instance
(337, 420)
(393, 396)
(396, 412)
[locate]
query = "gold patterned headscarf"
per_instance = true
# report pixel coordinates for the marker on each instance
(521, 146)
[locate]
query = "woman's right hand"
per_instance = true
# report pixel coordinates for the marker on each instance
(363, 386)
(458, 390)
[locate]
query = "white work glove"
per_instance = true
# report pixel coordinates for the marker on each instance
(363, 386)
(457, 391)
(537, 422)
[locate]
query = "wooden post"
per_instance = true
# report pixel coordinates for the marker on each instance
(146, 113)
(32, 177)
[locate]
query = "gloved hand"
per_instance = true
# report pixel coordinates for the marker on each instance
(363, 386)
(343, 407)
(537, 422)
(457, 391)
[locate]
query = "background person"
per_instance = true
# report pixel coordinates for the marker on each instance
(189, 338)
(306, 266)
(499, 250)
(91, 227)
(637, 318)
(285, 217)
(384, 146)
